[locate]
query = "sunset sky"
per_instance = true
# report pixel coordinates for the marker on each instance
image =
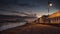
(40, 7)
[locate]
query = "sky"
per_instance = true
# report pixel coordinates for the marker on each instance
(19, 7)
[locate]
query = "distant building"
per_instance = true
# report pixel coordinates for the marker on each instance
(55, 17)
(44, 19)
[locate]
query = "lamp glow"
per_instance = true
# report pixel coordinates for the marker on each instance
(50, 4)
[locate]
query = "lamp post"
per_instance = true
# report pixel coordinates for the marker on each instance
(49, 5)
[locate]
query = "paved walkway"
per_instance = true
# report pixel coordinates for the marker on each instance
(33, 29)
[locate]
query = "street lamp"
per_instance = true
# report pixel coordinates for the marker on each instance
(49, 5)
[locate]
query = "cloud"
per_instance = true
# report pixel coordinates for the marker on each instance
(23, 6)
(11, 12)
